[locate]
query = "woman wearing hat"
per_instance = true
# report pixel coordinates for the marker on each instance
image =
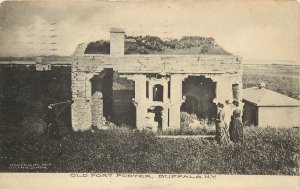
(236, 125)
(220, 125)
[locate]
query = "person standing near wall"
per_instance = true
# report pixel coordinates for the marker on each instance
(51, 117)
(236, 125)
(221, 133)
(237, 108)
(228, 109)
(52, 125)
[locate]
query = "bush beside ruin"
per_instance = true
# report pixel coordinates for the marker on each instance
(191, 125)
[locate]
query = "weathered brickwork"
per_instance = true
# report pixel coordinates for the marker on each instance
(223, 71)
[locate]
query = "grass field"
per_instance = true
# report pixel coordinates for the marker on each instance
(264, 151)
(283, 79)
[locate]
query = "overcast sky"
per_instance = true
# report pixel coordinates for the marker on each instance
(253, 29)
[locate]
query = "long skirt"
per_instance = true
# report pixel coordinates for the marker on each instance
(221, 133)
(236, 130)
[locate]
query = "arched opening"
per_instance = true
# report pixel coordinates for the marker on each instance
(158, 92)
(199, 92)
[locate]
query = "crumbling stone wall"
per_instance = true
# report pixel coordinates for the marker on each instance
(222, 70)
(97, 101)
(97, 109)
(81, 107)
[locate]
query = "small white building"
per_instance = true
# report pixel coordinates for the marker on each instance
(42, 64)
(264, 108)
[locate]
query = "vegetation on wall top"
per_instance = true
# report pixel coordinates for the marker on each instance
(155, 45)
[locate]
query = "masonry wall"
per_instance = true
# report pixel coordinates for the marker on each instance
(158, 63)
(97, 101)
(81, 95)
(135, 67)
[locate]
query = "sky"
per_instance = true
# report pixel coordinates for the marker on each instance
(265, 30)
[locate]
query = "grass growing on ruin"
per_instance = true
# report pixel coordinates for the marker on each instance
(265, 151)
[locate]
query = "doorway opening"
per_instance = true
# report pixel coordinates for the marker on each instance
(158, 117)
(199, 92)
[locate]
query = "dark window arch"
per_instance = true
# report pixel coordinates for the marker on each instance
(158, 92)
(235, 91)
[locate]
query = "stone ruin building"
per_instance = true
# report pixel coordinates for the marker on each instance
(149, 90)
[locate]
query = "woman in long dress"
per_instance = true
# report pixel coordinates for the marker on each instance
(221, 134)
(52, 125)
(236, 126)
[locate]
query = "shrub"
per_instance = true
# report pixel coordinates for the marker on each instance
(190, 125)
(185, 119)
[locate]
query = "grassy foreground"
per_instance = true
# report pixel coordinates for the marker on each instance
(265, 151)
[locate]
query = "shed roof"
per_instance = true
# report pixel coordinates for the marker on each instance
(266, 97)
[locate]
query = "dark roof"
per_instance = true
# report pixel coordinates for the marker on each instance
(266, 97)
